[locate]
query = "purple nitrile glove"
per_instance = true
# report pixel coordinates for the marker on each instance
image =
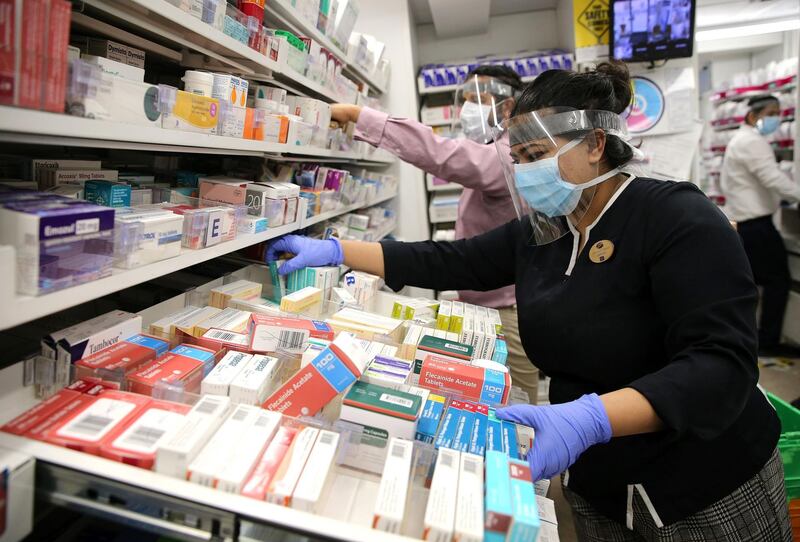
(308, 252)
(562, 432)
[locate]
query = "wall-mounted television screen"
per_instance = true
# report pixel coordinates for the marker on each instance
(647, 30)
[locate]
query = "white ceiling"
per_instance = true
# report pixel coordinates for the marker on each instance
(421, 10)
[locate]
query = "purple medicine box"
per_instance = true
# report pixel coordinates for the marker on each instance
(59, 242)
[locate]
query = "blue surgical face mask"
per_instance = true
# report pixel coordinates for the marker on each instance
(767, 125)
(544, 190)
(474, 121)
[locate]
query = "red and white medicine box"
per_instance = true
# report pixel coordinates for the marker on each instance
(121, 358)
(272, 333)
(35, 415)
(170, 368)
(136, 444)
(86, 429)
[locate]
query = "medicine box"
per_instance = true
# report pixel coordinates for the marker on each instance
(494, 433)
(218, 340)
(86, 430)
(510, 443)
(315, 385)
(469, 502)
(115, 68)
(216, 454)
(138, 442)
(525, 514)
(19, 490)
(39, 412)
(498, 506)
(113, 51)
(477, 443)
(256, 381)
(261, 477)
(176, 452)
(301, 299)
(475, 383)
(224, 373)
(388, 371)
(428, 344)
(223, 190)
(94, 94)
(59, 243)
(272, 334)
(156, 236)
(456, 317)
(107, 193)
(466, 420)
(164, 328)
(314, 482)
(59, 415)
(190, 323)
(393, 411)
(229, 319)
(187, 111)
(428, 424)
(240, 289)
(121, 358)
(440, 511)
(390, 504)
(291, 467)
(248, 451)
(173, 369)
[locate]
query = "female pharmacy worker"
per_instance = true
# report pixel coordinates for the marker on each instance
(485, 99)
(636, 296)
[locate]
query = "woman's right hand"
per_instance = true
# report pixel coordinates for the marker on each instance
(307, 252)
(344, 113)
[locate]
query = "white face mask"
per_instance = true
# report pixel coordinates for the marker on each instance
(474, 123)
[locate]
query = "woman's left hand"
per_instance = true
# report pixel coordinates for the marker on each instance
(562, 432)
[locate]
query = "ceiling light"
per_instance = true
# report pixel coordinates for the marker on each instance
(747, 30)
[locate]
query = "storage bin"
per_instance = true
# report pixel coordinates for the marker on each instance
(789, 444)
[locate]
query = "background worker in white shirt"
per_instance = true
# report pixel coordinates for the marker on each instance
(754, 187)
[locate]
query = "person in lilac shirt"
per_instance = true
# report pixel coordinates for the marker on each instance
(485, 202)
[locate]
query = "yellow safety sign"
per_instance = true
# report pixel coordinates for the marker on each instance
(592, 20)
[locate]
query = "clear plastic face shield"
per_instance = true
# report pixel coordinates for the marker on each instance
(482, 103)
(554, 171)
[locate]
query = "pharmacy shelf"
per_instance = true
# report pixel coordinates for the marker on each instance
(385, 231)
(27, 308)
(452, 88)
(170, 506)
(322, 217)
(285, 12)
(38, 127)
(172, 23)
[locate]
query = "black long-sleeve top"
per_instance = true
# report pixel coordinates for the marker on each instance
(671, 314)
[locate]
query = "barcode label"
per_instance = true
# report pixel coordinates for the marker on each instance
(91, 424)
(262, 421)
(144, 437)
(206, 406)
(151, 428)
(398, 450)
(447, 459)
(221, 335)
(326, 438)
(291, 340)
(395, 400)
(470, 466)
(96, 420)
(240, 415)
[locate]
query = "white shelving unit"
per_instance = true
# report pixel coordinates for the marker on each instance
(71, 479)
(284, 12)
(449, 187)
(422, 89)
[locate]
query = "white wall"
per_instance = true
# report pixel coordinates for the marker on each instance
(566, 24)
(390, 21)
(506, 34)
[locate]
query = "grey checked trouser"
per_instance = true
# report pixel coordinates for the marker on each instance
(756, 511)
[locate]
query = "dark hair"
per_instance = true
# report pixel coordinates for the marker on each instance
(607, 88)
(503, 73)
(758, 103)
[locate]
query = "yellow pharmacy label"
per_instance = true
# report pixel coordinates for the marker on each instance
(592, 19)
